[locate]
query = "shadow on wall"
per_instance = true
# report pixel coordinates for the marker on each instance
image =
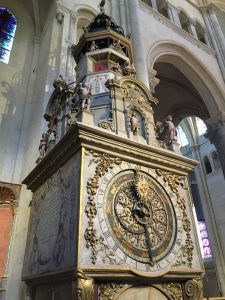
(10, 119)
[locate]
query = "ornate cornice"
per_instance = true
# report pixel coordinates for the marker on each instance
(97, 138)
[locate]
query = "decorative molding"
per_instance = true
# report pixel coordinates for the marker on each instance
(82, 286)
(103, 162)
(110, 289)
(194, 288)
(189, 37)
(174, 181)
(174, 290)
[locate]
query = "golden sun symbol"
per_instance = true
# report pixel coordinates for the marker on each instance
(142, 186)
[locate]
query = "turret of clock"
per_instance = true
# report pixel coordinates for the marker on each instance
(111, 215)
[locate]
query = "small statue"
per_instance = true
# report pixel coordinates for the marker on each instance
(43, 146)
(134, 123)
(129, 70)
(101, 6)
(85, 94)
(117, 46)
(171, 132)
(93, 46)
(52, 130)
(116, 68)
(60, 83)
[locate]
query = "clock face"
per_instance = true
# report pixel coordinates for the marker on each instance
(138, 218)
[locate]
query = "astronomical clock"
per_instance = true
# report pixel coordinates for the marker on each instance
(111, 215)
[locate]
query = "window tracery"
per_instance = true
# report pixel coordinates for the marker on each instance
(7, 32)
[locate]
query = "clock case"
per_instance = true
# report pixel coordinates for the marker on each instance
(68, 248)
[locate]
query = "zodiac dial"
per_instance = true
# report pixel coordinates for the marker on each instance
(140, 216)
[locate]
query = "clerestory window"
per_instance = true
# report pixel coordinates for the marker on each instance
(7, 33)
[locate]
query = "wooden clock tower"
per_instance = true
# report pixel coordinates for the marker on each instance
(111, 214)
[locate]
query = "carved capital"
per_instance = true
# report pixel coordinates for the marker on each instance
(83, 286)
(194, 289)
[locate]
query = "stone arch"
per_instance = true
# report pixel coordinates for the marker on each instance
(145, 291)
(193, 70)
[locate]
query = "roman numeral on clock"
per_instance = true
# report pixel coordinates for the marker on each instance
(106, 234)
(115, 247)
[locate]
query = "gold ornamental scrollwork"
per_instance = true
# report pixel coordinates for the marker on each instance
(103, 162)
(174, 181)
(109, 290)
(83, 286)
(174, 290)
(7, 197)
(133, 93)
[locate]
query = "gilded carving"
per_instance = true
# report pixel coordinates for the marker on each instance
(193, 289)
(174, 290)
(133, 93)
(7, 196)
(108, 291)
(104, 163)
(83, 286)
(174, 181)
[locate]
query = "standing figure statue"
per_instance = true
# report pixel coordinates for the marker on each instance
(93, 46)
(43, 146)
(134, 123)
(52, 130)
(60, 83)
(171, 132)
(117, 46)
(129, 70)
(85, 94)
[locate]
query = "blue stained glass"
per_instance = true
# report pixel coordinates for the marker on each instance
(7, 32)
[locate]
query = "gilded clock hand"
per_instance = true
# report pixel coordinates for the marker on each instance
(143, 218)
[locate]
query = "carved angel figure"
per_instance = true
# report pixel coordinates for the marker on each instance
(85, 94)
(171, 132)
(43, 146)
(134, 123)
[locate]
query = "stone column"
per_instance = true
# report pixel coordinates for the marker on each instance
(123, 15)
(137, 43)
(210, 219)
(214, 39)
(212, 10)
(217, 136)
(115, 11)
(153, 4)
(174, 12)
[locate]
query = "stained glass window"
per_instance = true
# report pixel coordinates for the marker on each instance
(7, 32)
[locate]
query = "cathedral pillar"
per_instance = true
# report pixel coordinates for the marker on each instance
(217, 135)
(115, 11)
(123, 15)
(172, 10)
(216, 35)
(154, 5)
(137, 43)
(210, 219)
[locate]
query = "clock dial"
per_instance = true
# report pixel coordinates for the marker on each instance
(139, 216)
